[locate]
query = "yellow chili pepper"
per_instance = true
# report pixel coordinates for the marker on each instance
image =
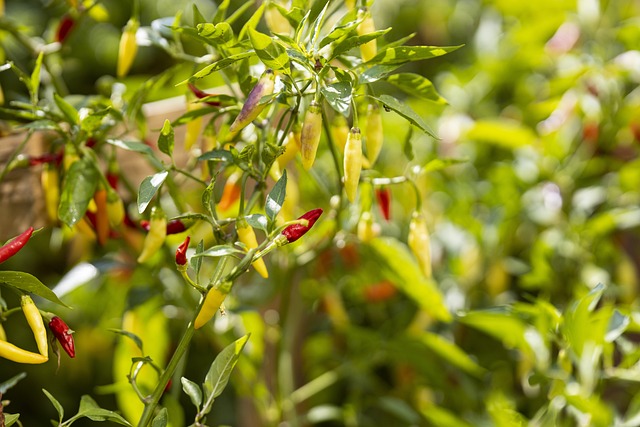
(339, 131)
(373, 133)
(115, 209)
(128, 47)
(252, 108)
(157, 234)
(291, 147)
(352, 163)
(369, 49)
(51, 189)
(230, 192)
(16, 354)
(276, 23)
(34, 319)
(3, 334)
(102, 216)
(366, 227)
(310, 135)
(419, 242)
(212, 302)
(247, 235)
(193, 128)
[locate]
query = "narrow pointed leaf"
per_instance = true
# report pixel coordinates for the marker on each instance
(406, 112)
(166, 140)
(148, 189)
(77, 191)
(221, 368)
(276, 197)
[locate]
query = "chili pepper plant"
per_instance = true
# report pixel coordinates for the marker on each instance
(228, 263)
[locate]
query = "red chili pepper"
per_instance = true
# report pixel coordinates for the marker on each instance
(181, 252)
(296, 231)
(64, 28)
(174, 226)
(46, 159)
(384, 201)
(63, 334)
(11, 248)
(202, 94)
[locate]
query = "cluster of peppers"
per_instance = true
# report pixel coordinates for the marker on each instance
(215, 296)
(34, 317)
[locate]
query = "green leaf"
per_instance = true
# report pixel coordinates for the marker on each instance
(339, 32)
(377, 72)
(218, 251)
(67, 109)
(400, 409)
(196, 262)
(218, 65)
(92, 122)
(416, 85)
(258, 221)
(502, 325)
(317, 24)
(44, 124)
(407, 147)
(221, 13)
(10, 419)
(403, 54)
(166, 140)
(148, 189)
(403, 110)
(216, 34)
(617, 325)
(252, 22)
(192, 390)
(217, 155)
(218, 375)
(79, 185)
(276, 197)
(338, 95)
(90, 409)
(397, 263)
(133, 337)
(198, 18)
(29, 283)
(346, 45)
(8, 384)
(439, 164)
(451, 353)
(162, 419)
(35, 78)
(502, 132)
(55, 404)
(272, 54)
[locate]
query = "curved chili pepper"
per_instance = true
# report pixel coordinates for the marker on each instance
(128, 47)
(175, 226)
(34, 319)
(201, 94)
(181, 252)
(11, 248)
(419, 242)
(157, 234)
(212, 302)
(247, 235)
(310, 135)
(352, 163)
(46, 159)
(16, 354)
(3, 334)
(384, 201)
(296, 231)
(252, 108)
(49, 179)
(63, 334)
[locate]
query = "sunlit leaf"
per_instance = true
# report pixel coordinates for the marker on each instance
(148, 189)
(275, 198)
(271, 53)
(406, 112)
(416, 85)
(221, 368)
(338, 95)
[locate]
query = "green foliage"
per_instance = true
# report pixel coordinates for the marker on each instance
(517, 141)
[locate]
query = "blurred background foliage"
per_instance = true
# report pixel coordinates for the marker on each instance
(543, 106)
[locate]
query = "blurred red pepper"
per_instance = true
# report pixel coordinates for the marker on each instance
(201, 94)
(47, 158)
(174, 226)
(65, 26)
(384, 201)
(63, 334)
(379, 292)
(11, 248)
